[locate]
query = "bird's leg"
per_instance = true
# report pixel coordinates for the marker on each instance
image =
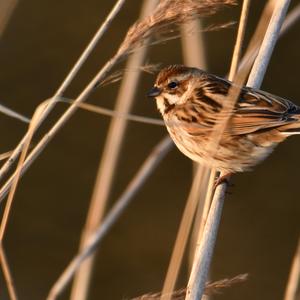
(222, 178)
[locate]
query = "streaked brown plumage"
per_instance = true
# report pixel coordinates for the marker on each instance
(190, 101)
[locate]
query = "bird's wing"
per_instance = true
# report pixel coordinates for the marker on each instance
(254, 110)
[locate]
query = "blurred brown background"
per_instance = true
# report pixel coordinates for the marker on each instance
(260, 223)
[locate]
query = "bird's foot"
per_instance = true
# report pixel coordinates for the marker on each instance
(223, 179)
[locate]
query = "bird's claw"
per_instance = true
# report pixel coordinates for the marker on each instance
(223, 179)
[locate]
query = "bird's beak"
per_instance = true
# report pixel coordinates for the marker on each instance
(154, 92)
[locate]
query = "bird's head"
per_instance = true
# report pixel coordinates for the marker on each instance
(172, 85)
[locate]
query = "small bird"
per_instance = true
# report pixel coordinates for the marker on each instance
(191, 101)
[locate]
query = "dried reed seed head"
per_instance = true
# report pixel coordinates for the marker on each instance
(118, 75)
(211, 288)
(167, 14)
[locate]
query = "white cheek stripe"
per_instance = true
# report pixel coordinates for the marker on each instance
(160, 104)
(174, 99)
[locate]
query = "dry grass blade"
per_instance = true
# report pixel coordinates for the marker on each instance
(16, 178)
(211, 288)
(6, 9)
(7, 275)
(9, 202)
(103, 28)
(193, 55)
(5, 155)
(268, 44)
(13, 114)
(294, 278)
(109, 159)
(257, 39)
(183, 233)
(291, 19)
(193, 49)
(136, 183)
(201, 220)
(239, 39)
(115, 114)
(202, 211)
(205, 249)
(112, 113)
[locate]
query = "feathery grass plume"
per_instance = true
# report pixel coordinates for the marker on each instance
(211, 288)
(118, 75)
(217, 287)
(167, 14)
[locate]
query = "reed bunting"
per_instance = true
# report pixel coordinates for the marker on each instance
(191, 100)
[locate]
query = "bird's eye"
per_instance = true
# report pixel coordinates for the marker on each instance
(173, 84)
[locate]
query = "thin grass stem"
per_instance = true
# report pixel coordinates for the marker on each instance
(183, 233)
(204, 253)
(205, 250)
(291, 19)
(192, 42)
(7, 8)
(103, 28)
(7, 275)
(13, 114)
(264, 55)
(202, 216)
(193, 51)
(16, 178)
(116, 114)
(135, 184)
(294, 278)
(5, 155)
(239, 40)
(107, 167)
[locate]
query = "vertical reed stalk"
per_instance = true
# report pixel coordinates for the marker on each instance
(268, 44)
(294, 278)
(291, 19)
(239, 39)
(183, 233)
(193, 55)
(204, 252)
(7, 275)
(109, 161)
(7, 8)
(192, 42)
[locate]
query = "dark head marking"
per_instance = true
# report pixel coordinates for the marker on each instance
(172, 71)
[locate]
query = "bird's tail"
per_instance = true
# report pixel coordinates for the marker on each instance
(291, 128)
